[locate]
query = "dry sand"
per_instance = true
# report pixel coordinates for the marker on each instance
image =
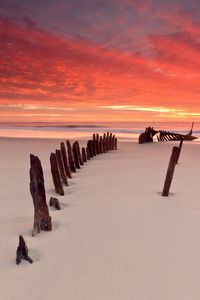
(116, 236)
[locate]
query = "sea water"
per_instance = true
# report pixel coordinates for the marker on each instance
(124, 131)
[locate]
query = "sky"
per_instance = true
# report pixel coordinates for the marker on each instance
(97, 60)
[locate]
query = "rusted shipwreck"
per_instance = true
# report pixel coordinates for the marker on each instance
(163, 135)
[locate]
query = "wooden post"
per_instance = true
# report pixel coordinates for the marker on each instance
(180, 147)
(115, 143)
(94, 145)
(97, 143)
(76, 155)
(42, 219)
(170, 171)
(65, 160)
(101, 144)
(22, 251)
(61, 167)
(79, 153)
(84, 155)
(104, 143)
(90, 148)
(88, 153)
(71, 157)
(56, 175)
(107, 142)
(110, 141)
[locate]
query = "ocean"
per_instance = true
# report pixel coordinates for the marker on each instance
(124, 131)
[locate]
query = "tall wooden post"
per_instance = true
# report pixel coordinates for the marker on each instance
(61, 167)
(70, 157)
(180, 147)
(65, 160)
(56, 175)
(76, 155)
(79, 153)
(97, 143)
(101, 144)
(42, 219)
(84, 155)
(90, 148)
(94, 145)
(170, 171)
(115, 143)
(88, 153)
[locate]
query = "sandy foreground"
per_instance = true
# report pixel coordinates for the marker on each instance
(115, 238)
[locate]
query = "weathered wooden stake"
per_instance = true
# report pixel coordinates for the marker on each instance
(84, 155)
(65, 160)
(55, 203)
(88, 153)
(42, 219)
(180, 147)
(101, 144)
(22, 251)
(115, 143)
(79, 153)
(71, 157)
(97, 144)
(61, 167)
(90, 148)
(107, 142)
(170, 171)
(104, 143)
(94, 145)
(76, 155)
(56, 175)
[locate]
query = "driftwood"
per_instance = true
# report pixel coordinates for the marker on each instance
(61, 167)
(76, 155)
(55, 203)
(65, 160)
(71, 157)
(42, 219)
(170, 171)
(56, 175)
(84, 157)
(22, 251)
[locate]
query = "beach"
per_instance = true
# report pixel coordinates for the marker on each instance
(115, 237)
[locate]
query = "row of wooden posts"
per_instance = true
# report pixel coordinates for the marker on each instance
(64, 162)
(171, 168)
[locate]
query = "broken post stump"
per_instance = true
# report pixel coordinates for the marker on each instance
(61, 167)
(65, 160)
(180, 147)
(170, 171)
(22, 251)
(84, 155)
(71, 157)
(42, 219)
(56, 175)
(55, 203)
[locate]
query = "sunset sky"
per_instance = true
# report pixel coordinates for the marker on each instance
(99, 60)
